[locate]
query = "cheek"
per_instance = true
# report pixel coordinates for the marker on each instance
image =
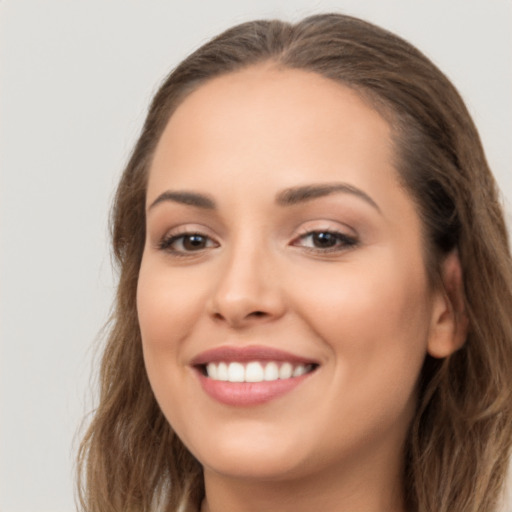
(375, 324)
(167, 309)
(167, 306)
(374, 319)
(384, 295)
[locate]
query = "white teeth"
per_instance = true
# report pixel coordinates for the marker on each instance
(211, 370)
(236, 372)
(254, 371)
(299, 370)
(271, 371)
(286, 370)
(222, 371)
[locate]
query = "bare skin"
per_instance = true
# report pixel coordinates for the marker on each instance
(275, 219)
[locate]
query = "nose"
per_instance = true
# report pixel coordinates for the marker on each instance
(248, 289)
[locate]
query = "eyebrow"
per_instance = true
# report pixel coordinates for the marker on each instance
(288, 197)
(184, 197)
(295, 195)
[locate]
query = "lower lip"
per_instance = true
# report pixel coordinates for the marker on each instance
(245, 394)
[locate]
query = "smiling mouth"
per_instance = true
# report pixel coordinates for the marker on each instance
(255, 371)
(251, 375)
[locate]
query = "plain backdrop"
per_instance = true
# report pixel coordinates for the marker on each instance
(76, 78)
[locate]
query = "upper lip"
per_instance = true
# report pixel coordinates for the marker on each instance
(248, 353)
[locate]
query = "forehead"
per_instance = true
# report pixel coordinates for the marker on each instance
(270, 94)
(284, 126)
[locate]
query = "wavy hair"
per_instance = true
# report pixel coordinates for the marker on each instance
(458, 445)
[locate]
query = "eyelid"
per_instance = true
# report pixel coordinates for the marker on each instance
(164, 242)
(325, 225)
(345, 237)
(343, 241)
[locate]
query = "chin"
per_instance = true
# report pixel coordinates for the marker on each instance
(255, 466)
(252, 453)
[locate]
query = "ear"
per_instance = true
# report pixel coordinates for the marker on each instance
(449, 326)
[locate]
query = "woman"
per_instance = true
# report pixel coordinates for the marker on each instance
(313, 310)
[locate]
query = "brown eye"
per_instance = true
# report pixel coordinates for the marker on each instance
(184, 243)
(326, 241)
(194, 242)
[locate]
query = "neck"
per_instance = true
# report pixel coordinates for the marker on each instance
(369, 488)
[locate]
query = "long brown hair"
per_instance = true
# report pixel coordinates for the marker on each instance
(459, 442)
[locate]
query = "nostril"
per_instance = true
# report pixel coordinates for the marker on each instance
(258, 313)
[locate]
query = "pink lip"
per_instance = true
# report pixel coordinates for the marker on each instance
(244, 394)
(251, 353)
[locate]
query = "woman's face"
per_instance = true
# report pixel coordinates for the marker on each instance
(283, 299)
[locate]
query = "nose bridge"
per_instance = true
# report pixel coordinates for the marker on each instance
(247, 287)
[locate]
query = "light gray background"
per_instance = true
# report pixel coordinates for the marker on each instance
(76, 78)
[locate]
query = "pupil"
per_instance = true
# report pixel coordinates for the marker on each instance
(194, 242)
(324, 239)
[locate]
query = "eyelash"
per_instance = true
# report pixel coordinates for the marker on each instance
(166, 244)
(342, 242)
